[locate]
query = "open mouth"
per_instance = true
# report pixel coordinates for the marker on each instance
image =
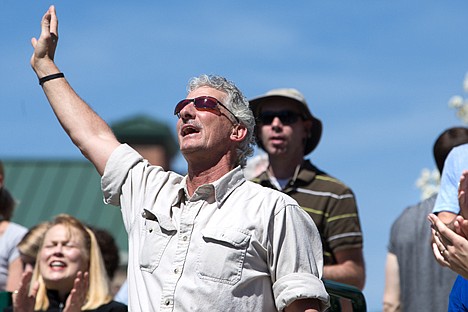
(57, 264)
(188, 129)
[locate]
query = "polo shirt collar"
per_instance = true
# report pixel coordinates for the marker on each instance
(307, 173)
(304, 174)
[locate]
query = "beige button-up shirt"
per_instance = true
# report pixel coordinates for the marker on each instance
(232, 246)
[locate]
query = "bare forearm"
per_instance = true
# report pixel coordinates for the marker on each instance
(391, 297)
(447, 217)
(350, 268)
(80, 122)
(87, 130)
(346, 273)
(304, 305)
(15, 271)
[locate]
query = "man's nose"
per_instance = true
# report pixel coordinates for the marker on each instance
(276, 123)
(188, 111)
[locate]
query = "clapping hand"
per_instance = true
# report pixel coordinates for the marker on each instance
(450, 249)
(24, 299)
(77, 296)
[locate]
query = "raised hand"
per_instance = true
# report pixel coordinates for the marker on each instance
(77, 296)
(23, 300)
(42, 60)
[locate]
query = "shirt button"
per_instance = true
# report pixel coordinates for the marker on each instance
(176, 271)
(167, 302)
(184, 238)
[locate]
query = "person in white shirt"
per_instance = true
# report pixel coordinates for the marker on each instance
(207, 241)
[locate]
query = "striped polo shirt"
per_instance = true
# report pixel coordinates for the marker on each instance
(329, 202)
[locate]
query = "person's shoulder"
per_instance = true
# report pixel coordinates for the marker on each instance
(119, 305)
(457, 155)
(112, 306)
(268, 193)
(414, 212)
(460, 149)
(259, 178)
(260, 189)
(328, 180)
(17, 228)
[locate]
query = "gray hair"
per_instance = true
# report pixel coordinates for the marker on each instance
(237, 104)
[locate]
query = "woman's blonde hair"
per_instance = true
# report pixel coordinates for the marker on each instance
(99, 286)
(31, 242)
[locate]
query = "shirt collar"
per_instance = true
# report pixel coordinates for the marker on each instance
(227, 184)
(304, 174)
(181, 190)
(222, 187)
(307, 172)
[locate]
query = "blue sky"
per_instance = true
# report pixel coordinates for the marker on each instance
(378, 74)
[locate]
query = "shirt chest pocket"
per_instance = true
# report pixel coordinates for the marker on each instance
(156, 234)
(222, 255)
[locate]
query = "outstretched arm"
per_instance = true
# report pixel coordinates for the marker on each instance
(86, 129)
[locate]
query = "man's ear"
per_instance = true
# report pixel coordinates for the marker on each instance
(307, 127)
(238, 133)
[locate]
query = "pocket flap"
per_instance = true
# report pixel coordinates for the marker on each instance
(164, 221)
(234, 237)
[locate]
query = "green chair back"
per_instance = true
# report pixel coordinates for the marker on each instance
(5, 299)
(339, 290)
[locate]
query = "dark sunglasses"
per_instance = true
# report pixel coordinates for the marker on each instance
(202, 103)
(286, 117)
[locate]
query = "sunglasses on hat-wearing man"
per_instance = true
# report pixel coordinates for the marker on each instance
(208, 103)
(287, 117)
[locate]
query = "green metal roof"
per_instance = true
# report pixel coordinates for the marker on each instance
(45, 188)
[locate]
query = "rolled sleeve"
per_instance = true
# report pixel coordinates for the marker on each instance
(298, 260)
(117, 167)
(299, 286)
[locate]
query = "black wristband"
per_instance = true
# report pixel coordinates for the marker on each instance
(50, 77)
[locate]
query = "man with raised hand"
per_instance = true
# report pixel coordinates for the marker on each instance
(207, 241)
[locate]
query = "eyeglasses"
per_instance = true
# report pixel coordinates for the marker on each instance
(286, 117)
(202, 103)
